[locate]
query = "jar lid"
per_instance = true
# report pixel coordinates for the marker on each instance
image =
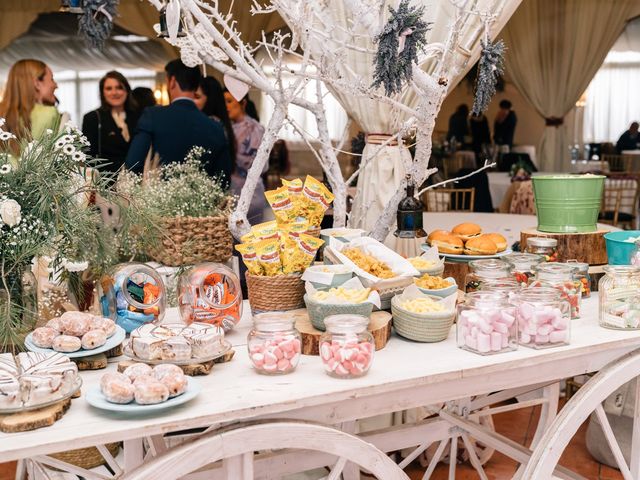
(346, 323)
(555, 270)
(581, 267)
(485, 297)
(523, 259)
(534, 294)
(621, 269)
(503, 285)
(542, 242)
(491, 267)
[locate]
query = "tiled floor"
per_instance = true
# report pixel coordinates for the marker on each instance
(518, 426)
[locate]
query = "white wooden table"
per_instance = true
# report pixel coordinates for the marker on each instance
(404, 375)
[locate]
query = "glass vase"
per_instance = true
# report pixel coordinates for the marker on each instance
(18, 307)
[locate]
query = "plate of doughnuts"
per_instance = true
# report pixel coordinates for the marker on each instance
(466, 241)
(76, 334)
(142, 388)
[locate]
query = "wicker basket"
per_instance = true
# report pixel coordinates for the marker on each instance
(190, 240)
(319, 311)
(278, 293)
(88, 457)
(421, 327)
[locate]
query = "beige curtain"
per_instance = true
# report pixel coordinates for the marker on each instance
(554, 50)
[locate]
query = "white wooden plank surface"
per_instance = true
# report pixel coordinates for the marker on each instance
(405, 374)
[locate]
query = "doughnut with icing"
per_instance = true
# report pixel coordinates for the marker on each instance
(56, 324)
(136, 370)
(94, 339)
(118, 390)
(43, 337)
(176, 383)
(151, 393)
(160, 371)
(111, 376)
(76, 323)
(106, 324)
(144, 379)
(66, 344)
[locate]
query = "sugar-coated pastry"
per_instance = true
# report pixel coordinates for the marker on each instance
(10, 396)
(176, 383)
(106, 324)
(76, 323)
(94, 339)
(118, 391)
(56, 324)
(43, 337)
(66, 344)
(111, 376)
(176, 348)
(160, 371)
(137, 369)
(150, 393)
(142, 379)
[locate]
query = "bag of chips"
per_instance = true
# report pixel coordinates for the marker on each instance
(268, 252)
(250, 258)
(281, 204)
(316, 199)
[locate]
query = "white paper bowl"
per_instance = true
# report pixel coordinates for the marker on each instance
(343, 234)
(441, 292)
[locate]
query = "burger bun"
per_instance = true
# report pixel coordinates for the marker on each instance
(498, 239)
(467, 230)
(447, 243)
(480, 246)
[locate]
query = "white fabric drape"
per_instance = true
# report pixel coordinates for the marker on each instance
(554, 50)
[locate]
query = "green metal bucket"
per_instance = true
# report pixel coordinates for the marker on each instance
(568, 203)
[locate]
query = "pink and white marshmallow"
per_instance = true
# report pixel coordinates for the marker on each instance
(346, 359)
(486, 331)
(542, 326)
(278, 355)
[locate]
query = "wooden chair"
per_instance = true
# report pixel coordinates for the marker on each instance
(622, 213)
(617, 163)
(461, 159)
(610, 209)
(450, 199)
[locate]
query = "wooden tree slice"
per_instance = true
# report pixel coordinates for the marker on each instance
(33, 419)
(192, 370)
(93, 362)
(583, 247)
(379, 327)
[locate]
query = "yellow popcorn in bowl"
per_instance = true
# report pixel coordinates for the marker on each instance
(348, 295)
(431, 282)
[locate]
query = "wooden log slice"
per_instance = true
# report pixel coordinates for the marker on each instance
(379, 327)
(458, 271)
(583, 247)
(33, 419)
(192, 370)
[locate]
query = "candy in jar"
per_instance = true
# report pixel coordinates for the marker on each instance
(544, 318)
(582, 278)
(346, 348)
(619, 295)
(562, 277)
(486, 323)
(274, 344)
(485, 270)
(210, 293)
(546, 247)
(523, 266)
(132, 295)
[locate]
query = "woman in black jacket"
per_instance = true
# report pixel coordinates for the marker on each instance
(110, 127)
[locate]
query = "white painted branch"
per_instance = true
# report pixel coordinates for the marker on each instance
(457, 179)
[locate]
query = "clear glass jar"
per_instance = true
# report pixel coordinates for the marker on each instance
(544, 318)
(346, 348)
(507, 286)
(562, 277)
(274, 344)
(635, 255)
(133, 294)
(582, 277)
(547, 247)
(486, 324)
(483, 270)
(523, 266)
(18, 307)
(210, 293)
(619, 294)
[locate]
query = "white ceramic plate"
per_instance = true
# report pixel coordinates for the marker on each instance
(464, 258)
(226, 346)
(96, 399)
(113, 341)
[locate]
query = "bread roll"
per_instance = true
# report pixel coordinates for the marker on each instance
(498, 239)
(447, 243)
(480, 246)
(466, 231)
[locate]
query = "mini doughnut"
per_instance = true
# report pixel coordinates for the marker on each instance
(43, 337)
(56, 324)
(137, 369)
(103, 323)
(150, 393)
(76, 323)
(176, 383)
(66, 344)
(144, 379)
(111, 376)
(94, 339)
(118, 390)
(164, 369)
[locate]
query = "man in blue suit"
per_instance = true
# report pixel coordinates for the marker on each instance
(173, 130)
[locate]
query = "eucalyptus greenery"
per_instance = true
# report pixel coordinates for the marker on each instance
(490, 67)
(394, 63)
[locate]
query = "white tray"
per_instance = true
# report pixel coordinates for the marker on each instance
(113, 341)
(96, 399)
(226, 346)
(467, 258)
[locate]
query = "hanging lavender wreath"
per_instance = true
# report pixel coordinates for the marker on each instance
(402, 38)
(490, 67)
(96, 21)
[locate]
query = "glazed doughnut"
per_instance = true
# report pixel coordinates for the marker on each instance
(43, 337)
(164, 369)
(110, 377)
(150, 393)
(56, 324)
(76, 323)
(94, 339)
(118, 390)
(66, 344)
(176, 383)
(103, 323)
(143, 380)
(137, 369)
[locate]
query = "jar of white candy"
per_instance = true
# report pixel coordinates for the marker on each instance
(619, 292)
(561, 276)
(274, 344)
(485, 270)
(486, 323)
(346, 348)
(544, 318)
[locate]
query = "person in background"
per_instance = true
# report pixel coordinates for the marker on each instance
(630, 139)
(504, 126)
(109, 127)
(459, 125)
(248, 133)
(171, 132)
(210, 101)
(480, 136)
(250, 109)
(28, 104)
(143, 97)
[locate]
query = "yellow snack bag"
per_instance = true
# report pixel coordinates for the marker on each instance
(316, 200)
(268, 252)
(295, 194)
(248, 238)
(295, 228)
(266, 230)
(281, 204)
(301, 254)
(250, 258)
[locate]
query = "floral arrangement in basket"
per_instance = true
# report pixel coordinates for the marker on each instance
(192, 209)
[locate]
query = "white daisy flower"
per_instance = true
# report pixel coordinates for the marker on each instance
(4, 136)
(78, 156)
(4, 169)
(68, 149)
(59, 144)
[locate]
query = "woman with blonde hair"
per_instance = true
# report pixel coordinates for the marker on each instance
(28, 104)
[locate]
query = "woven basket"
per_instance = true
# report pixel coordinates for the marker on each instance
(319, 311)
(190, 240)
(278, 293)
(421, 327)
(88, 457)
